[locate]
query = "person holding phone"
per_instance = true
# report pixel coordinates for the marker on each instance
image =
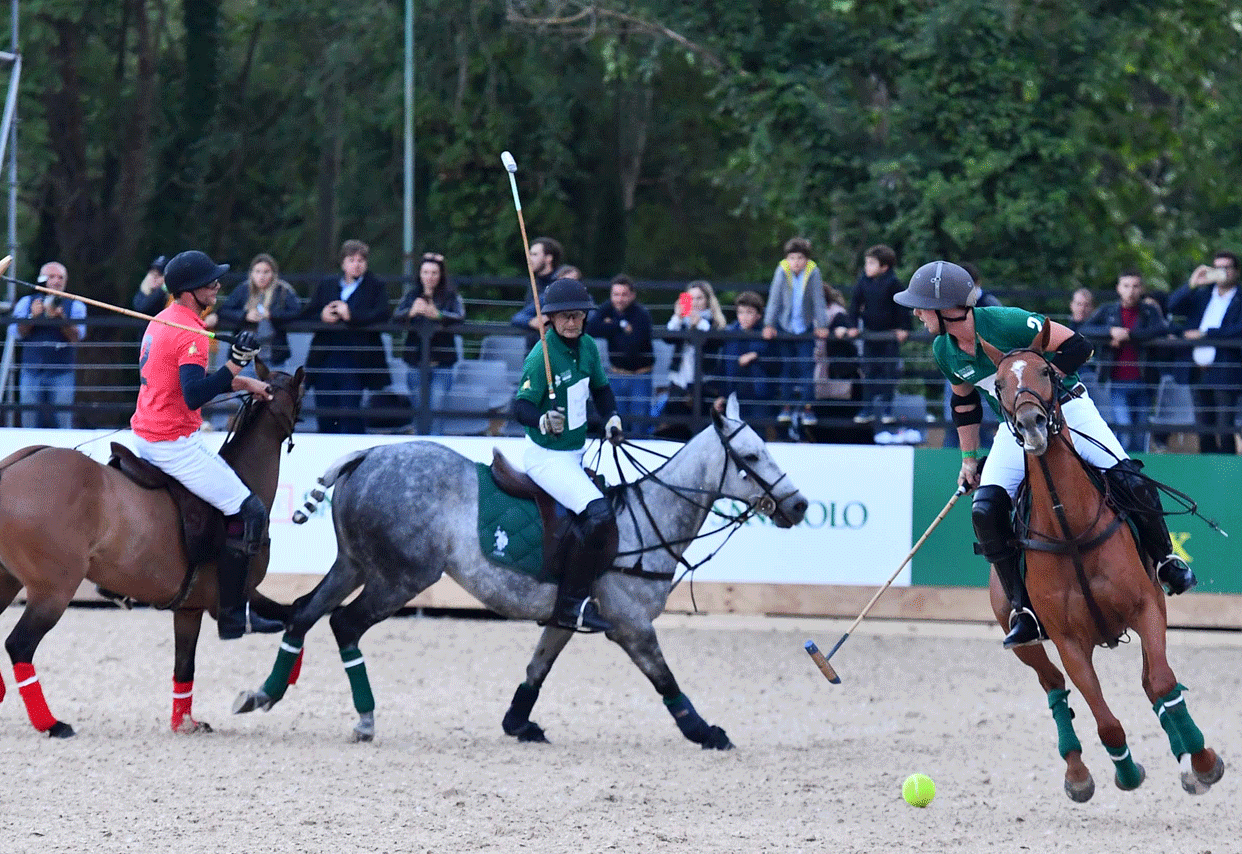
(1209, 301)
(697, 308)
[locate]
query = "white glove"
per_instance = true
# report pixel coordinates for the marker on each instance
(245, 348)
(552, 422)
(613, 430)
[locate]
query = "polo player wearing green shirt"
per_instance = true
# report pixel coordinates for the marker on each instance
(556, 433)
(943, 296)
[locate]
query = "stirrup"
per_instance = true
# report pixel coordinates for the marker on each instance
(1023, 632)
(585, 619)
(1176, 576)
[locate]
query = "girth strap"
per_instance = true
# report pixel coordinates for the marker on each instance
(638, 572)
(1060, 547)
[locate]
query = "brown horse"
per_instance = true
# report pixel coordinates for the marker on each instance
(65, 517)
(1088, 584)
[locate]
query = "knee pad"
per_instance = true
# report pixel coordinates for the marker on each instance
(253, 515)
(1134, 491)
(598, 524)
(990, 514)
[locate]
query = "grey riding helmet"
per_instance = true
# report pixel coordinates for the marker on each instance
(939, 285)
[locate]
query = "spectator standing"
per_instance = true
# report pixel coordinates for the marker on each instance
(545, 258)
(838, 387)
(697, 308)
(263, 304)
(346, 358)
(151, 298)
(1209, 301)
(46, 381)
(874, 311)
(626, 325)
(796, 307)
(1120, 332)
(1082, 306)
(431, 307)
(747, 362)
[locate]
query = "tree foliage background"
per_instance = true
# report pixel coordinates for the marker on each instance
(1051, 143)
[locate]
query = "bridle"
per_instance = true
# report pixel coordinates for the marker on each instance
(766, 503)
(1048, 406)
(287, 420)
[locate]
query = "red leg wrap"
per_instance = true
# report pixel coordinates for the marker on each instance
(293, 674)
(32, 693)
(2, 689)
(183, 700)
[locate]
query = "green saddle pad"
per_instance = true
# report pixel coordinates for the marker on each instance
(510, 529)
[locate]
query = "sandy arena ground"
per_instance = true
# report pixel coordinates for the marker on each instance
(817, 767)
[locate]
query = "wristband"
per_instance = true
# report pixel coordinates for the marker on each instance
(970, 455)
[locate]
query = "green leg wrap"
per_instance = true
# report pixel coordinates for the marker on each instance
(356, 670)
(1067, 739)
(278, 681)
(1184, 735)
(1128, 775)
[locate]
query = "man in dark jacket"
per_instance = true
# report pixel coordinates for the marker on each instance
(1209, 302)
(626, 325)
(1120, 332)
(348, 357)
(545, 258)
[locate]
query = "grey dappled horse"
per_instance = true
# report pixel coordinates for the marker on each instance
(406, 513)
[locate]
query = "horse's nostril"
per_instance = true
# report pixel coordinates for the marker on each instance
(801, 506)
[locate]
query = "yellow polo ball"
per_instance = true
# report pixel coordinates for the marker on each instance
(918, 790)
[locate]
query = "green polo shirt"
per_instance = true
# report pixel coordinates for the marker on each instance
(575, 373)
(1005, 329)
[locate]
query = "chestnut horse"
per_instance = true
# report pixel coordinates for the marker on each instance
(65, 517)
(1088, 584)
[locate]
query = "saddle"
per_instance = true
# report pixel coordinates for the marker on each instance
(518, 484)
(202, 526)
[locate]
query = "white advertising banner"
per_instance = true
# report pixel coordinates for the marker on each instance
(856, 531)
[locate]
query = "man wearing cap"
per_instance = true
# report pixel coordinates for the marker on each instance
(174, 385)
(944, 297)
(151, 298)
(46, 382)
(556, 433)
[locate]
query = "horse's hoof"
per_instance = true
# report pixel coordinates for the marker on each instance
(529, 731)
(717, 739)
(364, 730)
(248, 701)
(60, 729)
(1195, 783)
(1142, 776)
(189, 726)
(1080, 792)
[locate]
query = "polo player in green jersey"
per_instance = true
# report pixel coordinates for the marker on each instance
(943, 297)
(556, 433)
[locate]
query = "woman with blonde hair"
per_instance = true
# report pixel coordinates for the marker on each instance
(697, 308)
(262, 304)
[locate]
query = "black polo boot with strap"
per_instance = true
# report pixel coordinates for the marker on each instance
(233, 617)
(587, 551)
(991, 516)
(1135, 494)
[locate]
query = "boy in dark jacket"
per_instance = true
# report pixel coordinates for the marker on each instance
(872, 304)
(747, 362)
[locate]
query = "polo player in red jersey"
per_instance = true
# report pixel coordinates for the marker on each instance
(174, 386)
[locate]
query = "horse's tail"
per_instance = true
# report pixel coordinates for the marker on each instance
(335, 472)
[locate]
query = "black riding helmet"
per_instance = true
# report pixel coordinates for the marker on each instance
(190, 270)
(566, 295)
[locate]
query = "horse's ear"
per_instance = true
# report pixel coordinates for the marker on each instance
(261, 370)
(1040, 342)
(717, 418)
(732, 410)
(991, 352)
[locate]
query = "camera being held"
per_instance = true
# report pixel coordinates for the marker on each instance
(1212, 275)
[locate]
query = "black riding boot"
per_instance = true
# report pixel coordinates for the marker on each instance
(994, 530)
(1136, 495)
(233, 617)
(589, 549)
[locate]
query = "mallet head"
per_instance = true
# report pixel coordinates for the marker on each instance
(507, 159)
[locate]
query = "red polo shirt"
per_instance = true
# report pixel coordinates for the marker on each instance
(162, 413)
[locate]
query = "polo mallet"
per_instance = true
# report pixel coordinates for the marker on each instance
(511, 167)
(206, 333)
(821, 660)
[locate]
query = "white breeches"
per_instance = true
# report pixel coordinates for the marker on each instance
(200, 469)
(561, 476)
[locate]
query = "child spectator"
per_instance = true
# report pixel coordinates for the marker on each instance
(747, 362)
(795, 307)
(874, 311)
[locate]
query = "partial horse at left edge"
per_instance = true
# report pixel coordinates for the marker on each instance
(65, 517)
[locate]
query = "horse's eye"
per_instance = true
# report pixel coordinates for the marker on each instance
(751, 458)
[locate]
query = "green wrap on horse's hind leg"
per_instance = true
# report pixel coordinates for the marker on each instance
(284, 673)
(1130, 775)
(360, 688)
(1186, 742)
